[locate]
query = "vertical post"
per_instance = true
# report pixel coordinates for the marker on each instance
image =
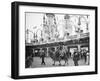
(47, 51)
(87, 24)
(27, 35)
(79, 48)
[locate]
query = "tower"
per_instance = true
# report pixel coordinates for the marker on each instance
(49, 25)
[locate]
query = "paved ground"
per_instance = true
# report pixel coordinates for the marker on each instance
(49, 62)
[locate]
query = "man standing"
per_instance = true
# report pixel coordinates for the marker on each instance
(42, 56)
(88, 57)
(76, 58)
(85, 56)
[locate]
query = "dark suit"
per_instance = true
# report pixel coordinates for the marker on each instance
(42, 56)
(76, 58)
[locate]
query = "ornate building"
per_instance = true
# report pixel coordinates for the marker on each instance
(49, 26)
(74, 30)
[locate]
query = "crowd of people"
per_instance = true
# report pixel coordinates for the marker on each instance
(76, 56)
(83, 54)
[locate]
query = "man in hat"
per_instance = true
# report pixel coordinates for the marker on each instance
(42, 54)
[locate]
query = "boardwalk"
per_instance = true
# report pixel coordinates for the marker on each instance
(49, 62)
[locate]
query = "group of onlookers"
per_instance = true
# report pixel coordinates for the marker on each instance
(30, 58)
(76, 56)
(83, 54)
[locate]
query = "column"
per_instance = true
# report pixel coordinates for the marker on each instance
(47, 51)
(79, 48)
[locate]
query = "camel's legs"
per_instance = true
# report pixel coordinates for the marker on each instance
(59, 62)
(66, 61)
(54, 63)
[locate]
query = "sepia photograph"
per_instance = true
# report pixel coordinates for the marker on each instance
(54, 40)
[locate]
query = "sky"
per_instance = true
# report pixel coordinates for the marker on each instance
(33, 20)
